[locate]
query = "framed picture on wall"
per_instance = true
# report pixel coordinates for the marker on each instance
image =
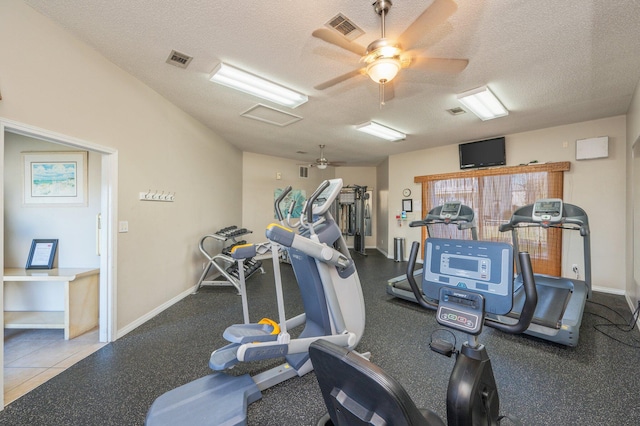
(42, 254)
(407, 205)
(55, 178)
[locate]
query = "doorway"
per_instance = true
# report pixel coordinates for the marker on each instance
(105, 234)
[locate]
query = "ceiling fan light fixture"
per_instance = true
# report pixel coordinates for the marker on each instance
(383, 70)
(483, 103)
(322, 166)
(380, 131)
(257, 86)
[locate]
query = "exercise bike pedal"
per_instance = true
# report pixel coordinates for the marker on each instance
(442, 347)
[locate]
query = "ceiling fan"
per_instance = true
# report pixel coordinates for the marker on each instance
(322, 162)
(384, 58)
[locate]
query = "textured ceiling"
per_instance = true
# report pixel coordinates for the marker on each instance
(550, 62)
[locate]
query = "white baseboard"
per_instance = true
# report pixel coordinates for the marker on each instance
(133, 325)
(608, 290)
(383, 252)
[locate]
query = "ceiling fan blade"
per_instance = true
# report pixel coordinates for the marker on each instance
(435, 14)
(339, 79)
(336, 39)
(444, 65)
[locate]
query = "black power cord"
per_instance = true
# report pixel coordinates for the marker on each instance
(625, 327)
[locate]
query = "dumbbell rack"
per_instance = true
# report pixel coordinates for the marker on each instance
(222, 269)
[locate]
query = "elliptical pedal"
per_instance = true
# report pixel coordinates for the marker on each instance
(225, 357)
(247, 333)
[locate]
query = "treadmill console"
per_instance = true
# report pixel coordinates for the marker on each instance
(322, 203)
(547, 210)
(450, 210)
(483, 267)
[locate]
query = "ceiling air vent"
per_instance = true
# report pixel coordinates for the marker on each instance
(456, 111)
(304, 172)
(179, 59)
(345, 26)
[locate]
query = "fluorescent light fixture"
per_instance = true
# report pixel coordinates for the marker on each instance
(381, 131)
(252, 84)
(483, 103)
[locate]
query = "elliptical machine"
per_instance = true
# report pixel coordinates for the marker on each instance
(356, 392)
(333, 310)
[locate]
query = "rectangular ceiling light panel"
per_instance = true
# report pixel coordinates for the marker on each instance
(252, 84)
(381, 131)
(483, 103)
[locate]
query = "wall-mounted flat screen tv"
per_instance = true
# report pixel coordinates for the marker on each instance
(486, 153)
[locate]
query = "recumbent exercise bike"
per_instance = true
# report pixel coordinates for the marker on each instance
(468, 279)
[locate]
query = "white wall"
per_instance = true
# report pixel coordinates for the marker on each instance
(53, 81)
(259, 182)
(382, 207)
(633, 199)
(74, 227)
(598, 186)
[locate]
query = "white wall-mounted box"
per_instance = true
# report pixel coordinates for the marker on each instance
(587, 149)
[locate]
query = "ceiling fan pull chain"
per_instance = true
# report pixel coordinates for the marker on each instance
(381, 92)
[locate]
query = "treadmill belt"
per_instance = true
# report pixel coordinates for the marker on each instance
(552, 301)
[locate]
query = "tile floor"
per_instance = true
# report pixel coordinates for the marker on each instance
(31, 357)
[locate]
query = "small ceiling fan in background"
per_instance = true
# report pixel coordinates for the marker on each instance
(384, 58)
(322, 162)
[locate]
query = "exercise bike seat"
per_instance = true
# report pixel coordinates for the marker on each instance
(358, 393)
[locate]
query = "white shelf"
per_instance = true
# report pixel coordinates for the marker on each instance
(33, 319)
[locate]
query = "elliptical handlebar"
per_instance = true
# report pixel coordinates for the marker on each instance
(308, 207)
(531, 299)
(277, 202)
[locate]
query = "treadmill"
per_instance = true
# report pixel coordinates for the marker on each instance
(561, 301)
(450, 213)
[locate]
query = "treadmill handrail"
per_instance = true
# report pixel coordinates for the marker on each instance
(411, 266)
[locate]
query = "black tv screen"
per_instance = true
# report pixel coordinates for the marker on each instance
(486, 153)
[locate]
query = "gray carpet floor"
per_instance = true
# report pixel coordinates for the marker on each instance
(540, 383)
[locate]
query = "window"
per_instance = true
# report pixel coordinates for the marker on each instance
(494, 194)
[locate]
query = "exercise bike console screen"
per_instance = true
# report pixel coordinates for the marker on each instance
(483, 267)
(450, 210)
(547, 210)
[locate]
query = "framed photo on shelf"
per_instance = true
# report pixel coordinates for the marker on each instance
(55, 178)
(42, 254)
(407, 205)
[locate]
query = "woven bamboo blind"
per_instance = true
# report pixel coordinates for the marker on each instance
(494, 194)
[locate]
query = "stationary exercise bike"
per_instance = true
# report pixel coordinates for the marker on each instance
(452, 213)
(470, 278)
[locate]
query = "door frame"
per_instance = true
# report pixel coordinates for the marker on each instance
(108, 212)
